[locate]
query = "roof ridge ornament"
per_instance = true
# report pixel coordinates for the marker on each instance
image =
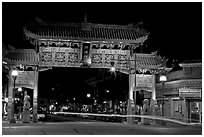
(85, 25)
(154, 53)
(85, 18)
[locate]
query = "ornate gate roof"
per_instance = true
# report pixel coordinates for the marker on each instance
(60, 56)
(149, 61)
(21, 56)
(84, 31)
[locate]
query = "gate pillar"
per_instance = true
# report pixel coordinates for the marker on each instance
(153, 87)
(10, 97)
(130, 98)
(35, 97)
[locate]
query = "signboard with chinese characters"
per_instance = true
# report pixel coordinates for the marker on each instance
(25, 79)
(189, 93)
(85, 52)
(143, 82)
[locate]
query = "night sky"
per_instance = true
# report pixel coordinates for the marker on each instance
(175, 28)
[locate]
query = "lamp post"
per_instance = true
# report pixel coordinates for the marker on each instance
(163, 79)
(14, 76)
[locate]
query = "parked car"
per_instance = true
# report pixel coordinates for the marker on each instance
(41, 114)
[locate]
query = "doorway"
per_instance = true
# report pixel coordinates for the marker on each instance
(196, 112)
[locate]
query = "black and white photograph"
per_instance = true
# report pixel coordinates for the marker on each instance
(101, 68)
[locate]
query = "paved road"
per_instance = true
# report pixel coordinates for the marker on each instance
(95, 128)
(64, 125)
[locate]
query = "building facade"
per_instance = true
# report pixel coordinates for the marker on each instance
(183, 93)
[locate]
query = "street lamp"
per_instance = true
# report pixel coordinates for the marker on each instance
(14, 74)
(20, 89)
(112, 69)
(88, 95)
(163, 79)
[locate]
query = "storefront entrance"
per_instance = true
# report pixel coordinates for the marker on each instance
(195, 113)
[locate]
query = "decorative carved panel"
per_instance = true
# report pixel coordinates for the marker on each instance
(96, 59)
(100, 58)
(60, 57)
(72, 57)
(122, 62)
(109, 58)
(46, 57)
(103, 57)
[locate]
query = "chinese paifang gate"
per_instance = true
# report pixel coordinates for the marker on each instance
(83, 45)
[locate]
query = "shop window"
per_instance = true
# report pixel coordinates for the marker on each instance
(176, 106)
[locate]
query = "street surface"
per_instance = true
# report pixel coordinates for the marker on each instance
(77, 126)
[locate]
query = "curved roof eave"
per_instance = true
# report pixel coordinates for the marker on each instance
(34, 36)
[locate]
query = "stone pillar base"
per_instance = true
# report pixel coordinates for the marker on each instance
(163, 123)
(130, 111)
(12, 120)
(145, 121)
(35, 119)
(26, 116)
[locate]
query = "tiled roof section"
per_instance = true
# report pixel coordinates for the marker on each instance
(193, 63)
(144, 60)
(86, 30)
(183, 83)
(21, 55)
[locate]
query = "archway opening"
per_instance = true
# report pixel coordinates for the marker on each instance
(83, 90)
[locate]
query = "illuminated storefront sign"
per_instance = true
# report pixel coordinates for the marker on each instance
(189, 93)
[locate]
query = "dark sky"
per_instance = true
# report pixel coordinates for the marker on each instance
(175, 30)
